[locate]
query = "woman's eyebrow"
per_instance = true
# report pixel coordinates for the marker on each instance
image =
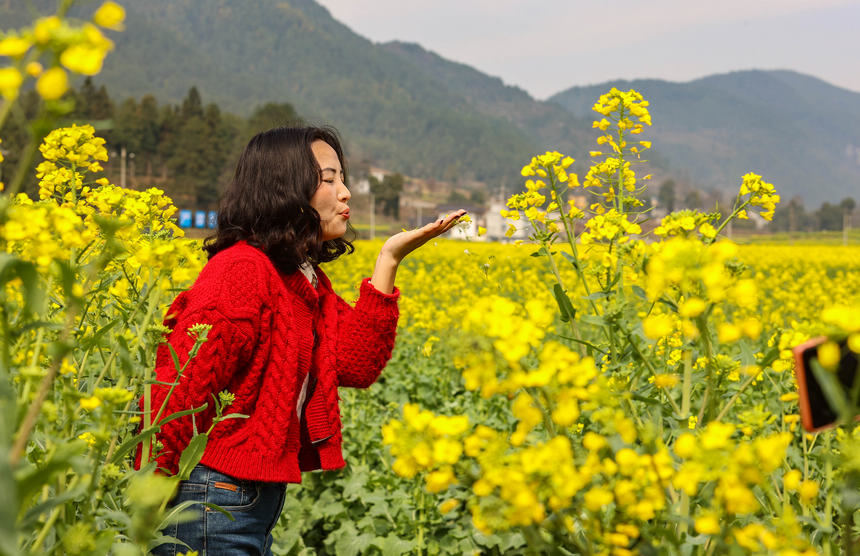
(329, 170)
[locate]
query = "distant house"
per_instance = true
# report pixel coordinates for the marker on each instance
(362, 186)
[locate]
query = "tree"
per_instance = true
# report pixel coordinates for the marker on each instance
(92, 104)
(192, 105)
(847, 205)
(829, 217)
(198, 151)
(149, 128)
(477, 197)
(387, 193)
(693, 199)
(666, 195)
(790, 216)
(127, 128)
(271, 115)
(455, 197)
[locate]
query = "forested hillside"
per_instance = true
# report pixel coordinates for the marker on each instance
(801, 133)
(409, 110)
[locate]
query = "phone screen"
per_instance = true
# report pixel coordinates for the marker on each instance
(818, 411)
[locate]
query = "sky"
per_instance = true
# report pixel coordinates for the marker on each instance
(547, 46)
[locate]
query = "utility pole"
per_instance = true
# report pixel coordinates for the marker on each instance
(122, 156)
(372, 217)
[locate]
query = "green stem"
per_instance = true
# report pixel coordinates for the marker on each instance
(687, 385)
(734, 398)
(35, 548)
(29, 422)
(574, 329)
(650, 368)
(828, 482)
(709, 352)
(734, 213)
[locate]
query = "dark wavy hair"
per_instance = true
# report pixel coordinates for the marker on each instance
(268, 205)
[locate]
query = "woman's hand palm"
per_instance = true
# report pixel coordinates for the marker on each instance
(400, 245)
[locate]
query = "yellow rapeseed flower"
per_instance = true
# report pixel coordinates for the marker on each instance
(707, 524)
(90, 403)
(664, 380)
(14, 46)
(448, 505)
(657, 326)
(110, 15)
(52, 84)
(10, 81)
(808, 490)
(84, 58)
(34, 69)
(829, 355)
(791, 480)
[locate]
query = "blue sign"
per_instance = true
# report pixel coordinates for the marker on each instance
(212, 221)
(200, 219)
(184, 218)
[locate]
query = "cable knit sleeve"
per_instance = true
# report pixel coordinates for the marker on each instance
(365, 335)
(227, 297)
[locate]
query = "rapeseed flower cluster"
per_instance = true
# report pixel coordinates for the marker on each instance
(611, 226)
(426, 442)
(72, 210)
(644, 405)
(509, 272)
(69, 152)
(741, 474)
(686, 223)
(77, 47)
(760, 194)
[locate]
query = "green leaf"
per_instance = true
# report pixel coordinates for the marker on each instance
(593, 319)
(192, 455)
(174, 356)
(348, 542)
(9, 509)
(747, 355)
(94, 340)
(33, 513)
(354, 487)
(564, 304)
(31, 479)
(392, 545)
(571, 259)
(234, 416)
(132, 442)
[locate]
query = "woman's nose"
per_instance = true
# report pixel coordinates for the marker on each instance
(343, 193)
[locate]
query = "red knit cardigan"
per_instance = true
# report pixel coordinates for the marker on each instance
(269, 330)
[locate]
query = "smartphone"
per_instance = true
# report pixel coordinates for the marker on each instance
(822, 393)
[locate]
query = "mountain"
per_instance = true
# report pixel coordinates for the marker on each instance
(242, 54)
(798, 132)
(410, 110)
(548, 124)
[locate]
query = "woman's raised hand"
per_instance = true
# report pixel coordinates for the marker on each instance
(399, 245)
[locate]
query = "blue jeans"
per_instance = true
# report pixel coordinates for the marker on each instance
(254, 506)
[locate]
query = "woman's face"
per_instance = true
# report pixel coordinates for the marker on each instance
(331, 197)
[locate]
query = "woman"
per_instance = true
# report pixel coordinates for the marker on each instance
(281, 341)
